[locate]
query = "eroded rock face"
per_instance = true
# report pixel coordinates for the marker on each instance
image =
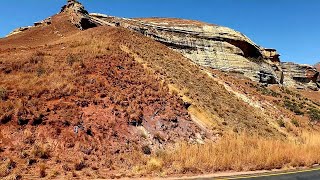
(207, 45)
(301, 76)
(79, 16)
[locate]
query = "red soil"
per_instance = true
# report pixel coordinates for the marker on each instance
(76, 106)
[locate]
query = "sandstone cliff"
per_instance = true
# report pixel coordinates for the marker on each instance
(205, 44)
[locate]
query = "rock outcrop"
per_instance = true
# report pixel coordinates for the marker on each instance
(207, 45)
(79, 16)
(18, 30)
(301, 76)
(36, 24)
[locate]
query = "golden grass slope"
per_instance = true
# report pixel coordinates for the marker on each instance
(235, 153)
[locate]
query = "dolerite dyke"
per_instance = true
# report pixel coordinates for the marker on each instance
(206, 44)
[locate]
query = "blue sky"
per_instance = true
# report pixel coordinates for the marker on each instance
(290, 26)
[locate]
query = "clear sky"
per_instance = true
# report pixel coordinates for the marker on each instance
(290, 26)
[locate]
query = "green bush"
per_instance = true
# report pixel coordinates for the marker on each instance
(281, 123)
(314, 114)
(294, 107)
(295, 122)
(268, 92)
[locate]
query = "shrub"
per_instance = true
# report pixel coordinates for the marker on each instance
(281, 123)
(6, 118)
(159, 137)
(146, 150)
(295, 122)
(38, 120)
(41, 152)
(314, 114)
(3, 93)
(154, 164)
(66, 167)
(79, 166)
(37, 58)
(268, 92)
(72, 58)
(42, 171)
(22, 121)
(6, 167)
(294, 107)
(40, 71)
(136, 118)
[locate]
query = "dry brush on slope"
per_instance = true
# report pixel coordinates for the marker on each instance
(96, 104)
(234, 153)
(83, 108)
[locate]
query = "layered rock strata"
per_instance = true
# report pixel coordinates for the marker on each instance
(208, 45)
(301, 76)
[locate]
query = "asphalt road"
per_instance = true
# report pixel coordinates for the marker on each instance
(309, 174)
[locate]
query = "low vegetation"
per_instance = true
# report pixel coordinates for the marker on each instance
(294, 107)
(314, 114)
(88, 105)
(236, 152)
(268, 92)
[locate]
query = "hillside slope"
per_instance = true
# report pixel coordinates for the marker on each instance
(101, 102)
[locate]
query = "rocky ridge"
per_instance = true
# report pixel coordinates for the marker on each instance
(208, 45)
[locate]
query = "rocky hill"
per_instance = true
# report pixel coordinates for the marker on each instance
(208, 45)
(93, 96)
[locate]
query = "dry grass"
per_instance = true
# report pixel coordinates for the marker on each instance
(6, 167)
(238, 153)
(93, 67)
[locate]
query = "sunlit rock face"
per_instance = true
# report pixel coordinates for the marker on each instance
(301, 76)
(79, 15)
(207, 45)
